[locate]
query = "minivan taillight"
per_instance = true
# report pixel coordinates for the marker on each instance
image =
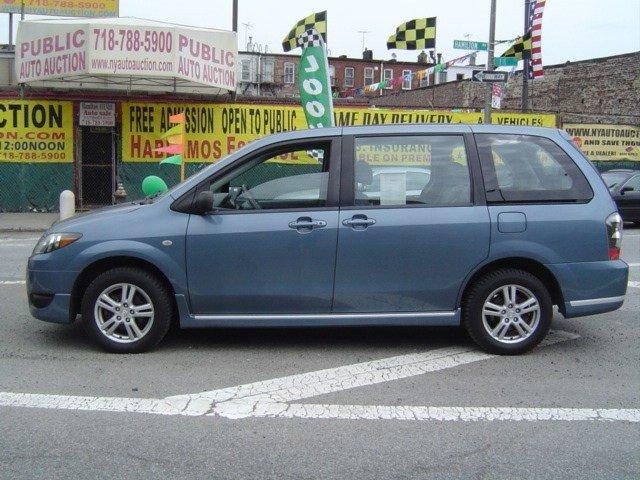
(614, 235)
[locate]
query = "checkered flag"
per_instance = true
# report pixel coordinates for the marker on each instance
(416, 34)
(316, 21)
(521, 48)
(310, 38)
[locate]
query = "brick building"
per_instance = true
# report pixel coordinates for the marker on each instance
(599, 90)
(276, 74)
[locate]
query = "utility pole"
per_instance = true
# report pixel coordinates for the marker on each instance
(234, 27)
(525, 62)
(490, 50)
(10, 30)
(234, 16)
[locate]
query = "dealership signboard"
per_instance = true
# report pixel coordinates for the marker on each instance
(214, 130)
(63, 8)
(97, 114)
(606, 142)
(36, 131)
(68, 48)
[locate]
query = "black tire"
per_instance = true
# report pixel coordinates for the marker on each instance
(473, 304)
(149, 284)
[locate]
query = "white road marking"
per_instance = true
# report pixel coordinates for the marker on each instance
(443, 414)
(241, 401)
(270, 398)
(311, 384)
(634, 284)
(12, 282)
(634, 264)
(311, 410)
(93, 404)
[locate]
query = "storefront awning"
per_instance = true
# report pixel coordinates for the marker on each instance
(125, 51)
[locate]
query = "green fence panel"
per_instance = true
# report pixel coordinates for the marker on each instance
(28, 187)
(604, 165)
(131, 174)
(36, 186)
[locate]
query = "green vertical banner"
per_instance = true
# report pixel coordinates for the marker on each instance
(315, 87)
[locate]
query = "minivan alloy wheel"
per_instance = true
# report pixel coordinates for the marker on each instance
(124, 312)
(511, 313)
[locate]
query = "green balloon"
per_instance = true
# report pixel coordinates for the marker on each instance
(152, 185)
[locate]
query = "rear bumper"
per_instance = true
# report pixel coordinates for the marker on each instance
(579, 308)
(589, 288)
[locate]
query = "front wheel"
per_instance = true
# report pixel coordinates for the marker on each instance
(508, 311)
(127, 310)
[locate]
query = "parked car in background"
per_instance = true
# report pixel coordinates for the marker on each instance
(497, 226)
(624, 185)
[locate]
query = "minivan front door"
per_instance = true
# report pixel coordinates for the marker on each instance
(413, 233)
(270, 246)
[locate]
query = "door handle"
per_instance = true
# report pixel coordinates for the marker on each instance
(358, 222)
(306, 224)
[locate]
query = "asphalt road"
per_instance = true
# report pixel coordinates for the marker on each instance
(371, 419)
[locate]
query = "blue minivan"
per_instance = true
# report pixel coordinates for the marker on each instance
(486, 227)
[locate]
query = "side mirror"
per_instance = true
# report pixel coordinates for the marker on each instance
(203, 203)
(626, 189)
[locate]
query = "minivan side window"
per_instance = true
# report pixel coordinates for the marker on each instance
(430, 170)
(527, 168)
(293, 177)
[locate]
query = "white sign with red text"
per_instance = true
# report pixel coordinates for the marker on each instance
(125, 47)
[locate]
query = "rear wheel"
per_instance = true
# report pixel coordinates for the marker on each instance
(508, 311)
(127, 310)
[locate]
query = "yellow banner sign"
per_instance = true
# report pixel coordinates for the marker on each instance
(66, 8)
(143, 125)
(216, 130)
(606, 142)
(33, 131)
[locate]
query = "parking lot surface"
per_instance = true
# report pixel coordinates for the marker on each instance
(318, 403)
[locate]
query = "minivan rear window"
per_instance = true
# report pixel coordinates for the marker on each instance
(527, 168)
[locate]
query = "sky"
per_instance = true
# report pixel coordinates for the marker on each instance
(572, 29)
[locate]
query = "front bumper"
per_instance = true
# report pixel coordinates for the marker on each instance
(589, 288)
(49, 295)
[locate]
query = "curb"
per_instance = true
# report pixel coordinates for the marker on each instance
(22, 229)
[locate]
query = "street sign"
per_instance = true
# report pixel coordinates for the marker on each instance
(470, 45)
(505, 61)
(488, 76)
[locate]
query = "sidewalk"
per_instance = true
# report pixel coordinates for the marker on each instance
(26, 222)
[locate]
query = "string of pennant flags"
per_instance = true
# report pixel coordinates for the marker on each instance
(420, 33)
(409, 76)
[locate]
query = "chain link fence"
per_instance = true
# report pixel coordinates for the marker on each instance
(33, 187)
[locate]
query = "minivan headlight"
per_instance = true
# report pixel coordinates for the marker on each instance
(54, 241)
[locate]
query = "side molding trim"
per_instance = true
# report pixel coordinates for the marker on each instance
(322, 316)
(595, 301)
